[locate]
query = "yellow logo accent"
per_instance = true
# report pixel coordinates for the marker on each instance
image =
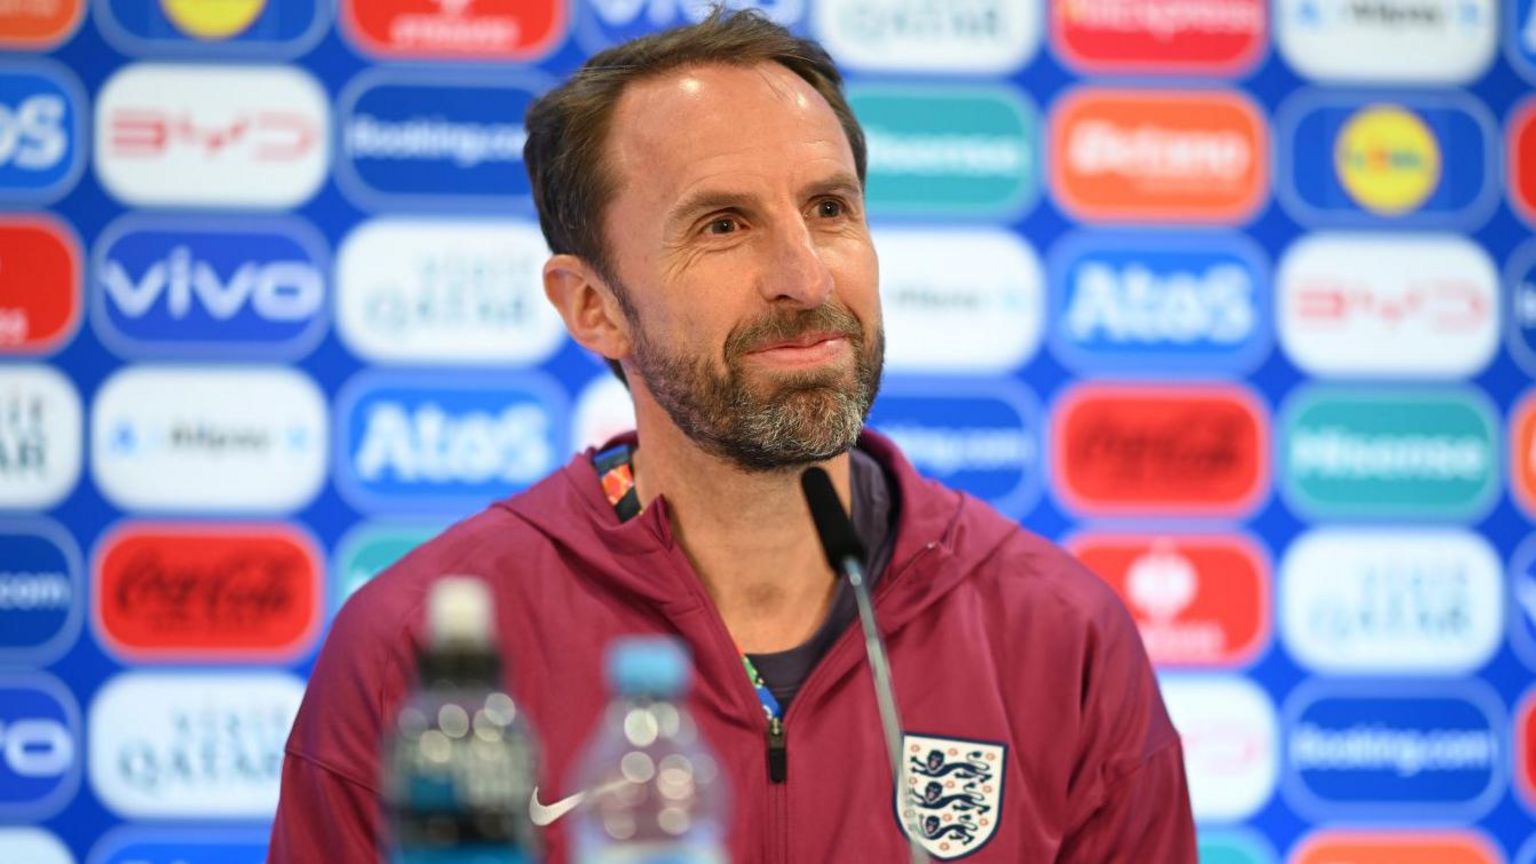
(212, 19)
(1387, 159)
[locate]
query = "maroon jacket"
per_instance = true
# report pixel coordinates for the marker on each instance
(1018, 672)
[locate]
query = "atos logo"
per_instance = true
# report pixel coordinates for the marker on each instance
(1388, 305)
(455, 29)
(265, 29)
(200, 593)
(1396, 847)
(603, 23)
(370, 549)
(975, 37)
(1380, 602)
(1404, 751)
(1231, 743)
(39, 285)
(39, 27)
(1391, 453)
(33, 846)
(1388, 166)
(40, 437)
(1522, 452)
(201, 745)
(208, 288)
(436, 142)
(39, 747)
(1193, 451)
(1198, 600)
(1205, 37)
(982, 440)
(1433, 42)
(212, 136)
(420, 442)
(136, 845)
(1158, 156)
(1520, 147)
(42, 137)
(1132, 304)
(41, 594)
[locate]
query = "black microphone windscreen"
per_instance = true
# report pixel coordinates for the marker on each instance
(833, 527)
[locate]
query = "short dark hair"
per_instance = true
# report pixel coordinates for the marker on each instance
(565, 153)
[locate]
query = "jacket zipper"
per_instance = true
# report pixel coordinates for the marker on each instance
(778, 752)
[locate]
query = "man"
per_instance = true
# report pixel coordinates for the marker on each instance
(702, 190)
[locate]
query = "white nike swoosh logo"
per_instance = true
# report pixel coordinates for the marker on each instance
(545, 814)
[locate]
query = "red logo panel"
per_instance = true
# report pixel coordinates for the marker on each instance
(183, 592)
(1525, 748)
(1210, 37)
(39, 285)
(1521, 146)
(1135, 450)
(1198, 600)
(462, 29)
(1522, 452)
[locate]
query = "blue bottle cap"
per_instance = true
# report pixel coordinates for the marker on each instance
(648, 666)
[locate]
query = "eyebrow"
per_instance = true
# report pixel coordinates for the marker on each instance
(706, 200)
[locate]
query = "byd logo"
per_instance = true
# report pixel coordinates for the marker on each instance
(39, 762)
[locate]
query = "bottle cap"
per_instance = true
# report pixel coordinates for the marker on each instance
(648, 666)
(460, 612)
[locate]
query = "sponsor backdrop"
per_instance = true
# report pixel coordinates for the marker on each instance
(1236, 299)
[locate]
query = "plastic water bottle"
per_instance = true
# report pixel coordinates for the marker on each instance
(459, 763)
(653, 790)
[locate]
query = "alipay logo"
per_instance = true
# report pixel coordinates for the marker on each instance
(40, 592)
(39, 747)
(981, 37)
(1133, 304)
(416, 442)
(244, 288)
(602, 23)
(42, 147)
(1436, 42)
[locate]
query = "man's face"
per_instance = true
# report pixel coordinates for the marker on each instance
(737, 234)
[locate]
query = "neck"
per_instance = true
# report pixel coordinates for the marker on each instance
(748, 534)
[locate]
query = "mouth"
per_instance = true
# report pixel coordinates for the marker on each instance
(806, 349)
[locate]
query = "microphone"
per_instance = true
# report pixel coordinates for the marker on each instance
(840, 542)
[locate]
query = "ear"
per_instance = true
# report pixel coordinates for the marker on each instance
(587, 304)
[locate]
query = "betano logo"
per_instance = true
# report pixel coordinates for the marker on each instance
(948, 150)
(1520, 147)
(1433, 42)
(39, 747)
(1390, 453)
(1396, 847)
(42, 132)
(1201, 37)
(39, 26)
(1230, 735)
(41, 595)
(1387, 159)
(40, 437)
(1198, 600)
(1132, 450)
(978, 37)
(40, 300)
(1158, 155)
(499, 30)
(1388, 305)
(212, 136)
(1425, 601)
(1522, 452)
(207, 592)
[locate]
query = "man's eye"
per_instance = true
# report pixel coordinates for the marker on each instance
(829, 208)
(723, 225)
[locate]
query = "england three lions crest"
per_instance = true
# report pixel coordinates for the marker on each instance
(951, 793)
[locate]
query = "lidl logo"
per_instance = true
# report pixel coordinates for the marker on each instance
(515, 30)
(1233, 847)
(370, 549)
(1230, 735)
(1428, 161)
(446, 291)
(1520, 147)
(39, 26)
(1206, 37)
(40, 301)
(40, 743)
(1129, 450)
(41, 594)
(982, 440)
(1522, 452)
(34, 846)
(1431, 42)
(41, 429)
(1390, 453)
(1158, 156)
(959, 301)
(1425, 601)
(988, 37)
(1198, 600)
(212, 136)
(603, 23)
(1388, 305)
(208, 287)
(948, 150)
(434, 142)
(418, 442)
(1396, 847)
(1525, 748)
(223, 28)
(1394, 750)
(136, 845)
(1134, 304)
(1522, 601)
(1521, 311)
(206, 592)
(42, 132)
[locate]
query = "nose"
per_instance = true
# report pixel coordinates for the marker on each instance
(796, 270)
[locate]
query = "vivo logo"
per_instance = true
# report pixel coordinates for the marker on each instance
(39, 762)
(1231, 743)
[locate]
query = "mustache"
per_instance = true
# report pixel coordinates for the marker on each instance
(781, 325)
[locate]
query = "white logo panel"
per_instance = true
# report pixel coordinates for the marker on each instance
(32, 846)
(1396, 41)
(973, 37)
(1377, 602)
(951, 793)
(191, 746)
(1231, 750)
(233, 440)
(603, 410)
(446, 292)
(204, 135)
(1391, 305)
(40, 437)
(959, 301)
